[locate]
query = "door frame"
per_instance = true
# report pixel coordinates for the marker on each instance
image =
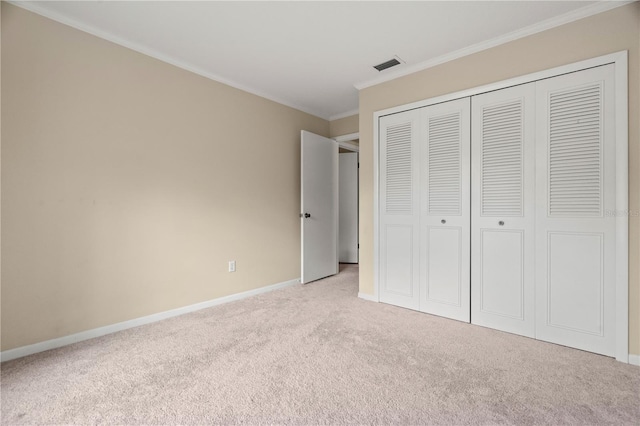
(346, 141)
(620, 62)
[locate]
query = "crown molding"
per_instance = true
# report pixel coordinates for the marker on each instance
(43, 11)
(583, 12)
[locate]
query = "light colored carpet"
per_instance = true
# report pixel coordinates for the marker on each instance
(316, 354)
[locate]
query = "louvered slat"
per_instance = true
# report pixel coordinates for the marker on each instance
(399, 186)
(501, 169)
(444, 164)
(575, 152)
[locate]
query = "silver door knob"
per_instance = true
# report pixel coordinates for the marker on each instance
(443, 221)
(501, 223)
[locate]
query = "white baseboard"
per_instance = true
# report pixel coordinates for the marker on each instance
(368, 297)
(634, 359)
(113, 328)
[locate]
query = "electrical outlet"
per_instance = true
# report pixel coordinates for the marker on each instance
(232, 266)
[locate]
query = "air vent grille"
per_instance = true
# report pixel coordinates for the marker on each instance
(383, 66)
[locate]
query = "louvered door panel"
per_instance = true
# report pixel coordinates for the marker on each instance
(445, 218)
(502, 200)
(398, 168)
(501, 169)
(575, 239)
(575, 151)
(399, 209)
(444, 150)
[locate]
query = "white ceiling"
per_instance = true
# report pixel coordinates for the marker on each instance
(311, 55)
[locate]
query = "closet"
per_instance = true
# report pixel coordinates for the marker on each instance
(495, 209)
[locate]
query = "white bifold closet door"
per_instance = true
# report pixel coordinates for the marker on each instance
(445, 209)
(502, 206)
(575, 230)
(399, 209)
(499, 209)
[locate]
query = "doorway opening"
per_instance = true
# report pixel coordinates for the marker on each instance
(348, 205)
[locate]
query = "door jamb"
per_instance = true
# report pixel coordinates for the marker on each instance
(345, 141)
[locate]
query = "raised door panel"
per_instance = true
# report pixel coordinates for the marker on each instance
(575, 193)
(444, 209)
(399, 261)
(502, 200)
(444, 265)
(399, 210)
(575, 280)
(501, 277)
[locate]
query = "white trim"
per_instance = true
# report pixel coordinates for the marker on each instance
(619, 59)
(634, 359)
(575, 15)
(40, 10)
(113, 328)
(344, 141)
(344, 114)
(347, 138)
(368, 297)
(622, 205)
(349, 146)
(376, 205)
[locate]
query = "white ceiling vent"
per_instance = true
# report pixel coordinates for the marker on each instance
(388, 64)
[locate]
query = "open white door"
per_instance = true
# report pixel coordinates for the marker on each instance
(319, 206)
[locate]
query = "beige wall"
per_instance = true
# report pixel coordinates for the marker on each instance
(609, 32)
(128, 183)
(343, 126)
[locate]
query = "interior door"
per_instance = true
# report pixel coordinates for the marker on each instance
(348, 208)
(575, 225)
(399, 210)
(445, 209)
(319, 207)
(502, 220)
